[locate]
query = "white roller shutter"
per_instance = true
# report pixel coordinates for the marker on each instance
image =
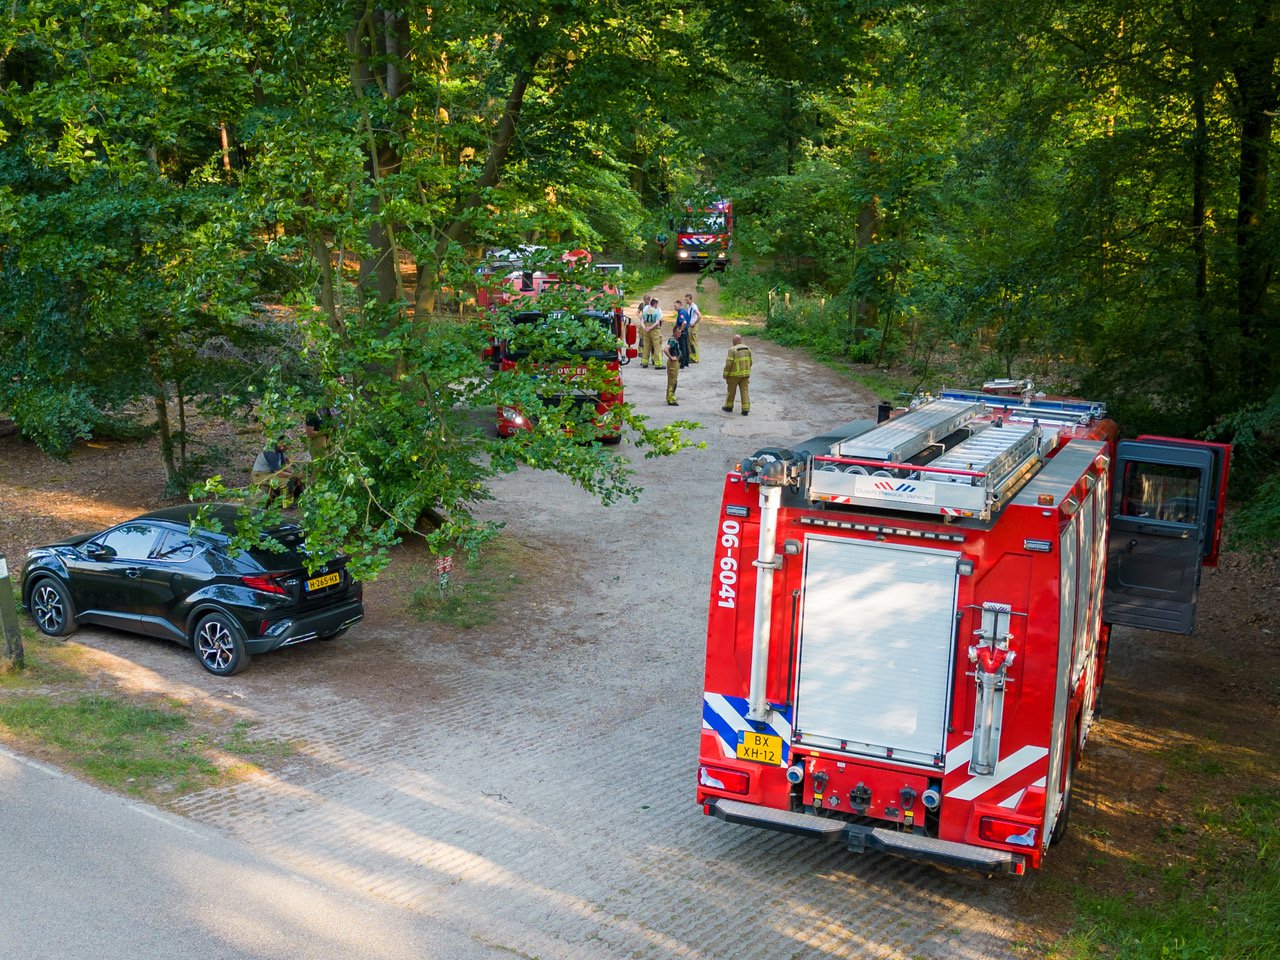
(876, 640)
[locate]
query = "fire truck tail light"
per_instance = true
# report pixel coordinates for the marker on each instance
(995, 830)
(719, 778)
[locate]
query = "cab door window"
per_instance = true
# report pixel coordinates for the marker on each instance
(1161, 491)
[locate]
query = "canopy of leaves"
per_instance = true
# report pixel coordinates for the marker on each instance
(1074, 192)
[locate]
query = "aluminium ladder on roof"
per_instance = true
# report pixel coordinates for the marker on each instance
(901, 438)
(967, 480)
(995, 451)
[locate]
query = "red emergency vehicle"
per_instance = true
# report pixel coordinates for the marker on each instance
(511, 276)
(909, 619)
(704, 235)
(603, 341)
(537, 302)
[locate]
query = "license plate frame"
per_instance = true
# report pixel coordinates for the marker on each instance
(763, 748)
(322, 581)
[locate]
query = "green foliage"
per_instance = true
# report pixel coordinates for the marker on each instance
(1230, 910)
(1076, 194)
(1254, 432)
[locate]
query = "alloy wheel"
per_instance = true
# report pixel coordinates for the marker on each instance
(47, 608)
(215, 645)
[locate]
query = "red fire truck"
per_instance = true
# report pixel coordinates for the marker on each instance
(606, 339)
(704, 235)
(509, 277)
(538, 303)
(909, 619)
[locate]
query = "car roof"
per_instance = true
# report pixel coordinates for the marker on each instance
(183, 513)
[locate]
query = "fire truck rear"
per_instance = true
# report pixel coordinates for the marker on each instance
(909, 619)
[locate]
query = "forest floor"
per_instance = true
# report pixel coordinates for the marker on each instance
(1189, 724)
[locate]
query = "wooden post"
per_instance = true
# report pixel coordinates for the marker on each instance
(13, 652)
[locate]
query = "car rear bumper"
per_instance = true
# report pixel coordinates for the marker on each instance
(859, 838)
(307, 626)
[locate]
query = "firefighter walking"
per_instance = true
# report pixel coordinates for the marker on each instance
(672, 352)
(737, 373)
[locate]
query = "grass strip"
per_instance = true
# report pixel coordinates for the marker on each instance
(1225, 907)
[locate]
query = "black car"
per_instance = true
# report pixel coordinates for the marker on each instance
(153, 575)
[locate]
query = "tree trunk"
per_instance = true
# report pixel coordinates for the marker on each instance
(160, 400)
(381, 36)
(1255, 258)
(182, 429)
(867, 231)
(1208, 355)
(455, 231)
(330, 299)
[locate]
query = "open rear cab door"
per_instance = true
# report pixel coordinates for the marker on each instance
(1166, 523)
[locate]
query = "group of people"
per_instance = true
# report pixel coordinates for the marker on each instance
(277, 474)
(681, 349)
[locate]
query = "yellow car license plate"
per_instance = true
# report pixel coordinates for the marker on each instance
(760, 748)
(319, 583)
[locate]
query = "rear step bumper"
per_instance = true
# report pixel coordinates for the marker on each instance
(859, 838)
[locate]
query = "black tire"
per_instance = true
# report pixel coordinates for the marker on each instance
(1063, 823)
(51, 608)
(218, 643)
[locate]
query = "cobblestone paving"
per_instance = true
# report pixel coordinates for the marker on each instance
(537, 791)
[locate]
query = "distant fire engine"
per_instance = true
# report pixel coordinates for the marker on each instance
(704, 235)
(909, 620)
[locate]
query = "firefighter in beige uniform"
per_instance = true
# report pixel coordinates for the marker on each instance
(651, 334)
(737, 371)
(671, 350)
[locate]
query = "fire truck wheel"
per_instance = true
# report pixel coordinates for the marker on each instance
(1064, 818)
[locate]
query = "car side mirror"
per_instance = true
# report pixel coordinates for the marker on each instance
(98, 551)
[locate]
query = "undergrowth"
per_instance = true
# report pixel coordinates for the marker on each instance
(473, 592)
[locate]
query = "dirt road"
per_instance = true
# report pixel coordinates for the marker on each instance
(530, 784)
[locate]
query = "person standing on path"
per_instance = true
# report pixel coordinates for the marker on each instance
(682, 332)
(651, 334)
(672, 352)
(737, 372)
(695, 317)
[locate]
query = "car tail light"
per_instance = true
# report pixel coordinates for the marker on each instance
(722, 778)
(995, 830)
(263, 582)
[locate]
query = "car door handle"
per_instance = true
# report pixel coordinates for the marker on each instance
(133, 573)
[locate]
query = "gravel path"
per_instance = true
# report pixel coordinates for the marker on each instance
(531, 785)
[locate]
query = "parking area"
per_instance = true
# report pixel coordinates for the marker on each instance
(529, 783)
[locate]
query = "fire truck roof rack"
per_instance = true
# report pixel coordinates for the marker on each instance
(963, 454)
(903, 437)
